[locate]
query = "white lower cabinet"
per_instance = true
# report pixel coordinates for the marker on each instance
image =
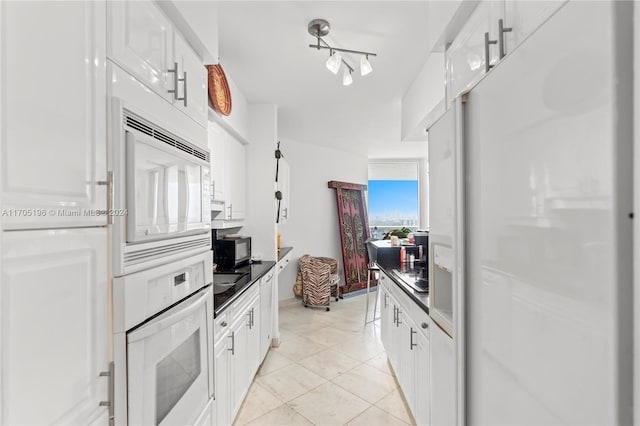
(404, 330)
(443, 404)
(266, 314)
(55, 329)
(238, 350)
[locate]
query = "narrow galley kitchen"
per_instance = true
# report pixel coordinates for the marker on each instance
(319, 213)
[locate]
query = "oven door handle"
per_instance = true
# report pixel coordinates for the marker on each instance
(162, 322)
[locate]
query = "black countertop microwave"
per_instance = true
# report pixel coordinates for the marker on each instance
(230, 253)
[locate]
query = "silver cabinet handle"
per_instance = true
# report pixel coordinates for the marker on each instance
(395, 312)
(487, 55)
(223, 323)
(109, 402)
(184, 87)
(411, 344)
(233, 343)
(249, 315)
(501, 31)
(386, 300)
(398, 322)
(109, 184)
(174, 71)
(230, 209)
(424, 325)
(253, 323)
(285, 213)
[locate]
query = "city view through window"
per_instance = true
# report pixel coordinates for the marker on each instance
(392, 204)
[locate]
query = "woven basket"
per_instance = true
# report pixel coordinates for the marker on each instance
(317, 279)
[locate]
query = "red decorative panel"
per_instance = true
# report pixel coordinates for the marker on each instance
(354, 231)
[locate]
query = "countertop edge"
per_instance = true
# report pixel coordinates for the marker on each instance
(232, 299)
(408, 291)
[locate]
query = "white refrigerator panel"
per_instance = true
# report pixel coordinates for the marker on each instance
(546, 218)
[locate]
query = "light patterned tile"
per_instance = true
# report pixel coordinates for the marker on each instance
(395, 405)
(362, 348)
(329, 405)
(272, 362)
(381, 363)
(295, 348)
(328, 336)
(367, 382)
(329, 363)
(281, 416)
(374, 416)
(258, 402)
(290, 382)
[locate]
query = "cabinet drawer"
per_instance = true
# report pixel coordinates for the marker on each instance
(220, 326)
(282, 263)
(240, 306)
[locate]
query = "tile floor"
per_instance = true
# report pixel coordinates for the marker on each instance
(328, 370)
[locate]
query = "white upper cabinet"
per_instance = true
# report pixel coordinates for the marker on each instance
(217, 146)
(236, 180)
(141, 41)
(55, 326)
(54, 114)
(469, 55)
(193, 88)
(525, 17)
(144, 41)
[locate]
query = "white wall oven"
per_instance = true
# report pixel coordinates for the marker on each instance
(164, 338)
(162, 188)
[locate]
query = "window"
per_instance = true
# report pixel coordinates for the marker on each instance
(393, 196)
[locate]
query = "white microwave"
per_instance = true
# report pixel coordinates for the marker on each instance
(162, 186)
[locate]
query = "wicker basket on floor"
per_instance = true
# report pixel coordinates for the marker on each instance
(318, 277)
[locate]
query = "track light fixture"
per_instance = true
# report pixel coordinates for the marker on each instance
(319, 28)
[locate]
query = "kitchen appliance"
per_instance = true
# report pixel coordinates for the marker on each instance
(163, 335)
(162, 187)
(529, 227)
(229, 253)
(421, 239)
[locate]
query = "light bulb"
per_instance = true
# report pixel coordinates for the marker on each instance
(333, 63)
(346, 77)
(365, 66)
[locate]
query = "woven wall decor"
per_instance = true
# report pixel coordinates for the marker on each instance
(219, 93)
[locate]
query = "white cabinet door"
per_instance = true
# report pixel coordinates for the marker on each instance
(525, 17)
(55, 329)
(141, 41)
(421, 410)
(466, 59)
(284, 188)
(194, 87)
(222, 386)
(443, 391)
(266, 314)
(386, 319)
(217, 146)
(54, 114)
(236, 179)
(253, 341)
(442, 178)
(406, 373)
(239, 369)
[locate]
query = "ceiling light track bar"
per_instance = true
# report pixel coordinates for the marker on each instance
(337, 49)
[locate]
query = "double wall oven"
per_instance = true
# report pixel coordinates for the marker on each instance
(162, 290)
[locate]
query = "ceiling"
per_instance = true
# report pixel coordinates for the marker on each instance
(264, 48)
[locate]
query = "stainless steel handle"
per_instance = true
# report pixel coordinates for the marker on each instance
(174, 71)
(109, 402)
(223, 323)
(398, 322)
(233, 343)
(184, 87)
(230, 210)
(253, 323)
(386, 300)
(411, 344)
(249, 315)
(501, 31)
(395, 314)
(109, 184)
(487, 55)
(285, 213)
(424, 325)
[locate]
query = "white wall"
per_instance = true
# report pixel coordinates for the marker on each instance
(313, 225)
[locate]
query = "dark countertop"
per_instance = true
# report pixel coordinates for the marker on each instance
(254, 271)
(400, 274)
(283, 252)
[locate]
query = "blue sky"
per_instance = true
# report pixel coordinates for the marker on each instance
(388, 196)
